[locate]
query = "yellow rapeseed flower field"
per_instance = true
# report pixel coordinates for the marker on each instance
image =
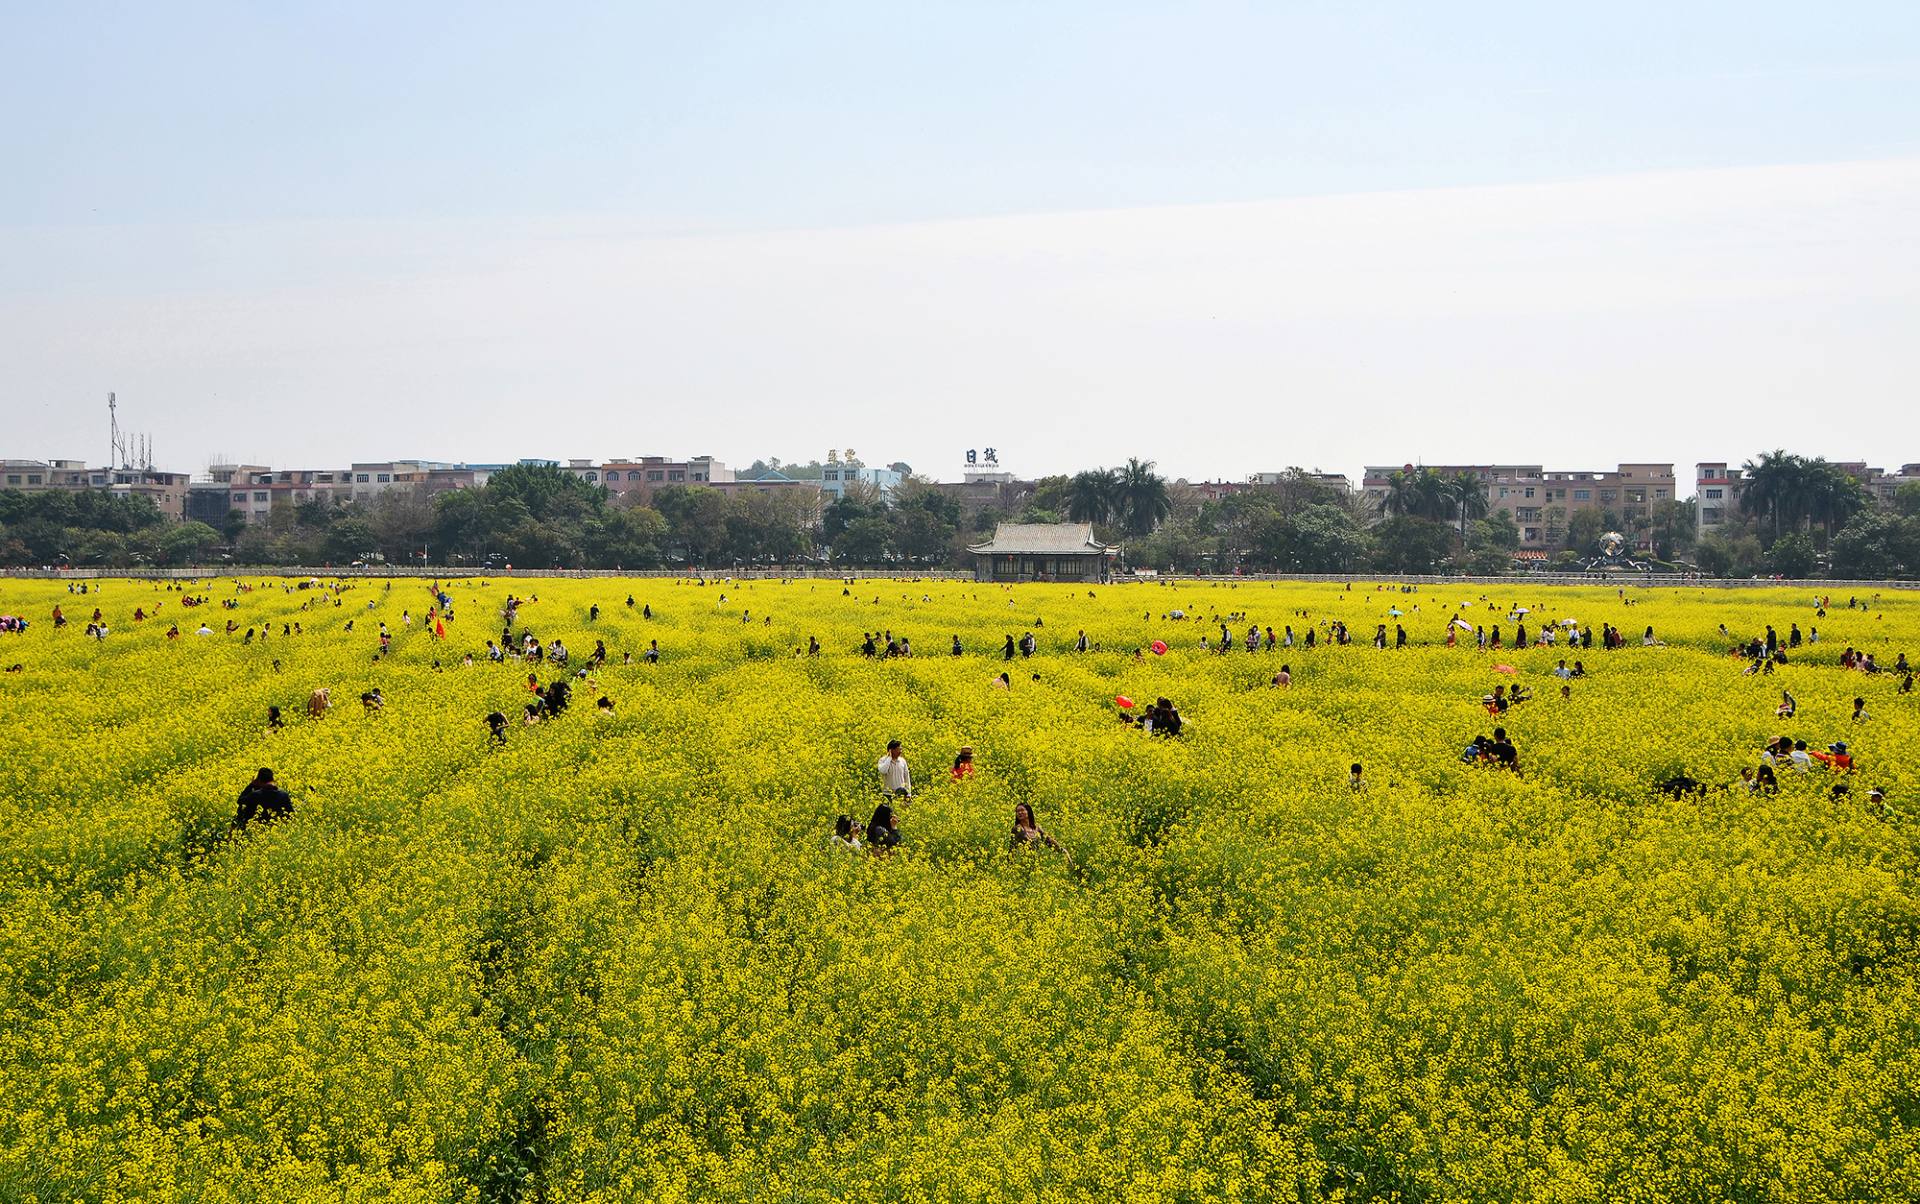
(616, 957)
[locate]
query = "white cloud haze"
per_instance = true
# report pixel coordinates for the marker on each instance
(1680, 315)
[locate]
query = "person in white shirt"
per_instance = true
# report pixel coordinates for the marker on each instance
(893, 770)
(1802, 761)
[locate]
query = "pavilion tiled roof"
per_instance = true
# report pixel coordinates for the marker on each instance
(1043, 539)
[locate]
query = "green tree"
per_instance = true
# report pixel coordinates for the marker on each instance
(350, 539)
(1144, 500)
(1409, 544)
(1094, 496)
(864, 541)
(696, 520)
(1792, 555)
(1877, 544)
(187, 543)
(1673, 527)
(1323, 537)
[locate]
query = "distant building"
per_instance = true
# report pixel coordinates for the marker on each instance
(1541, 502)
(1043, 552)
(647, 473)
(978, 491)
(166, 490)
(1331, 480)
(836, 479)
(1716, 495)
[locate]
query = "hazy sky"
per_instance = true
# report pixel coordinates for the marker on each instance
(1229, 237)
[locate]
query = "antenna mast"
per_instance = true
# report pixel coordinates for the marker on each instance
(115, 455)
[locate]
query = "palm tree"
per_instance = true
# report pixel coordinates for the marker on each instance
(1422, 493)
(1143, 496)
(1775, 486)
(1833, 495)
(1093, 495)
(1470, 495)
(1400, 498)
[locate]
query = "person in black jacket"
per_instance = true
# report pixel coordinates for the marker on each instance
(263, 800)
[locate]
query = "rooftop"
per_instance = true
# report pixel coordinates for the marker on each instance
(1042, 539)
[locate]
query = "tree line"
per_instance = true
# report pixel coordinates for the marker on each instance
(1796, 517)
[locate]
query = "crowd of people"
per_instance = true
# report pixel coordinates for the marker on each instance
(1764, 652)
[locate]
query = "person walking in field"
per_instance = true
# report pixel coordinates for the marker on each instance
(496, 728)
(893, 770)
(319, 701)
(263, 800)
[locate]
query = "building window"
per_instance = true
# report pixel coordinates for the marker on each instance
(361, 477)
(676, 474)
(1583, 495)
(1532, 535)
(633, 474)
(13, 478)
(261, 495)
(654, 474)
(1503, 491)
(1529, 492)
(593, 478)
(33, 478)
(1713, 493)
(1606, 495)
(383, 478)
(699, 476)
(239, 497)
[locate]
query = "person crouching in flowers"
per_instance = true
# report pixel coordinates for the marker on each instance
(963, 763)
(264, 800)
(846, 835)
(1027, 832)
(882, 834)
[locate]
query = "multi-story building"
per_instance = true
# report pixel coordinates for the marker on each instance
(647, 473)
(1882, 485)
(1330, 480)
(249, 490)
(1541, 502)
(837, 478)
(372, 479)
(1716, 495)
(989, 490)
(167, 490)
